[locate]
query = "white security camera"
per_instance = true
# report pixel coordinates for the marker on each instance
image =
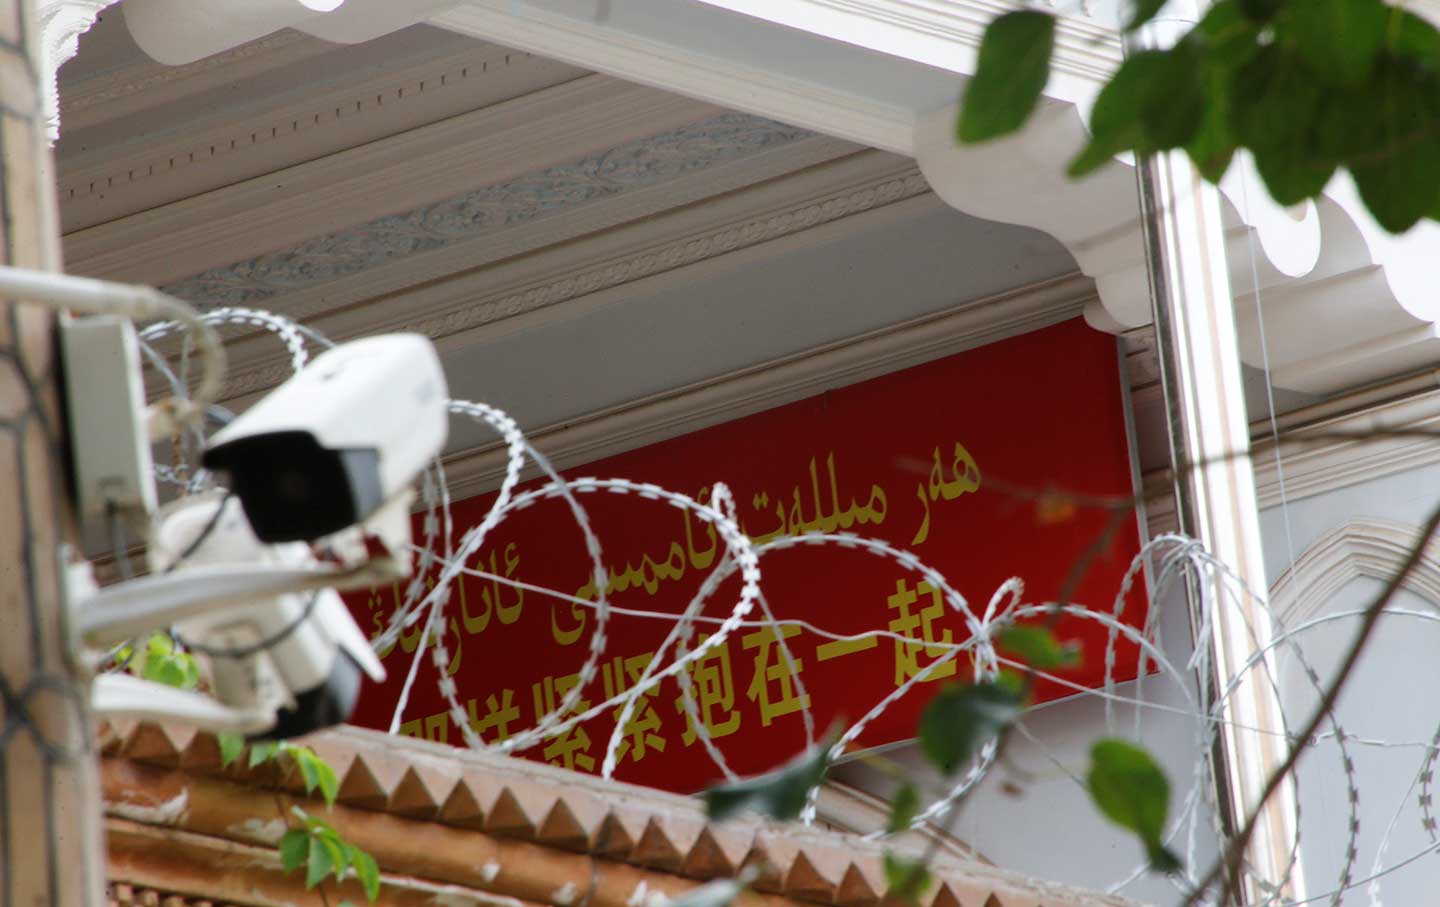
(331, 445)
(285, 656)
(298, 654)
(337, 446)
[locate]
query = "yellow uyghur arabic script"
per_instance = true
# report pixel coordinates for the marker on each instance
(964, 478)
(824, 511)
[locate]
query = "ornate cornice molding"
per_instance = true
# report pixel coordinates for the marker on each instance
(470, 312)
(137, 78)
(206, 151)
(1311, 465)
(417, 166)
(1362, 548)
(551, 192)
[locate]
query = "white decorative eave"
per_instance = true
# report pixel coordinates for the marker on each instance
(61, 24)
(1343, 303)
(707, 74)
(182, 31)
(1022, 180)
(946, 34)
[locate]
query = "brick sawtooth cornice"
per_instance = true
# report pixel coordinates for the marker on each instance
(485, 828)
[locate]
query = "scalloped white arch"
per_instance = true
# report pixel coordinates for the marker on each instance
(1362, 548)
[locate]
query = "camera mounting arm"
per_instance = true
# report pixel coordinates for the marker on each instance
(122, 695)
(110, 616)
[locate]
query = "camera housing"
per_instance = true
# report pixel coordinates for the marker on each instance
(298, 655)
(332, 444)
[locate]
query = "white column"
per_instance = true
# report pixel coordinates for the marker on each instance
(1215, 488)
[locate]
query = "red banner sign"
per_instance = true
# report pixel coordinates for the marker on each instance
(928, 459)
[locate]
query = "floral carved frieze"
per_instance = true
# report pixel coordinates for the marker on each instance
(483, 309)
(546, 193)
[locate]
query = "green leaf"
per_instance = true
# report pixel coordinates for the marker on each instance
(159, 644)
(1224, 41)
(1277, 112)
(1130, 789)
(1142, 11)
(319, 863)
(1174, 100)
(163, 669)
(231, 746)
(366, 871)
(903, 809)
(906, 878)
(1399, 180)
(293, 848)
(1038, 647)
(779, 794)
(308, 772)
(1226, 36)
(1012, 70)
(1261, 10)
(1339, 40)
(1411, 36)
(328, 782)
(1213, 145)
(959, 720)
(262, 752)
(192, 671)
(338, 850)
(1163, 859)
(1115, 124)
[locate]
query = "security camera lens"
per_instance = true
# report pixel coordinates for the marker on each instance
(293, 489)
(292, 486)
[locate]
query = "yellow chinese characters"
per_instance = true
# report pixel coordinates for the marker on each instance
(772, 686)
(569, 748)
(919, 626)
(642, 730)
(499, 715)
(713, 690)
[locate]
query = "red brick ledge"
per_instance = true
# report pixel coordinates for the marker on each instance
(453, 827)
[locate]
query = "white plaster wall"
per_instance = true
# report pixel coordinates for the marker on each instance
(1050, 828)
(1034, 815)
(1390, 702)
